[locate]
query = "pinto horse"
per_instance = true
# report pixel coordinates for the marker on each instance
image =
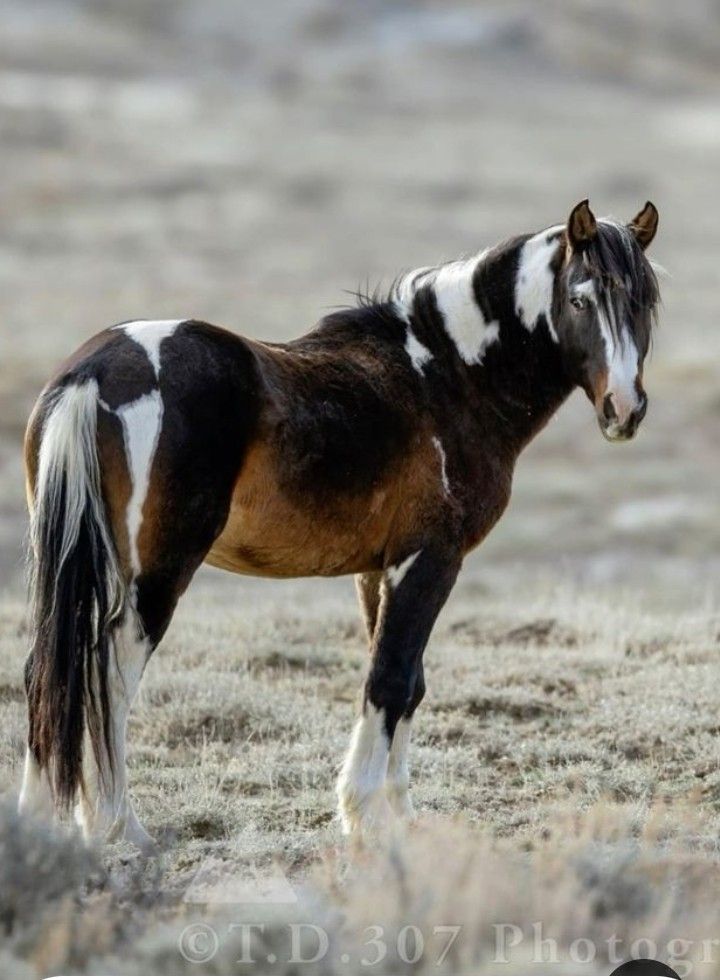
(382, 445)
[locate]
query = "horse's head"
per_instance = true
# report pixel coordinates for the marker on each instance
(605, 302)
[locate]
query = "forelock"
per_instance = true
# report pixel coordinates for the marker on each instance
(614, 259)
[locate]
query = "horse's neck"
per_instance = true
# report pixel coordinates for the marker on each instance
(497, 309)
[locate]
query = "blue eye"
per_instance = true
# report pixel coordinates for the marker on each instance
(578, 302)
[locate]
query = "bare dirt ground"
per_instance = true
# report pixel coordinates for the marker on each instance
(246, 164)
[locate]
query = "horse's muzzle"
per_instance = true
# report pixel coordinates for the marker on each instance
(620, 428)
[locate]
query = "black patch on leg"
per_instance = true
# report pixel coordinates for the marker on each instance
(395, 683)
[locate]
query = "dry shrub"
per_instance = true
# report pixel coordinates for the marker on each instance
(574, 899)
(612, 872)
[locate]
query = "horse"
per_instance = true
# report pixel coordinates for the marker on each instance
(381, 444)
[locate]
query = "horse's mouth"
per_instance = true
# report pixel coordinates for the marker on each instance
(619, 433)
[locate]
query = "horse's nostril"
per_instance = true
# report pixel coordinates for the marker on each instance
(609, 409)
(642, 408)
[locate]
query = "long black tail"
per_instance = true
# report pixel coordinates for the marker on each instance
(77, 596)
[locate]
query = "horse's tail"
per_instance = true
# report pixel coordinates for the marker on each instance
(77, 595)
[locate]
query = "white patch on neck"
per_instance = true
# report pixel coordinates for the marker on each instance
(443, 464)
(535, 280)
(463, 319)
(396, 573)
(141, 422)
(417, 352)
(406, 288)
(150, 334)
(455, 297)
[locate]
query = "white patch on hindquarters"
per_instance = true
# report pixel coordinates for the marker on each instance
(141, 422)
(417, 352)
(397, 783)
(535, 280)
(454, 292)
(360, 785)
(150, 334)
(443, 464)
(394, 574)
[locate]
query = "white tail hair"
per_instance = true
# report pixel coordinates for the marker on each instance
(77, 592)
(68, 464)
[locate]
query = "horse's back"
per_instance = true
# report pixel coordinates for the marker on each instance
(300, 459)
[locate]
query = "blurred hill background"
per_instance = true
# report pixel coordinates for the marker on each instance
(248, 163)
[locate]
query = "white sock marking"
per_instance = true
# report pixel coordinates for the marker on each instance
(35, 795)
(535, 280)
(398, 775)
(150, 334)
(141, 421)
(363, 774)
(110, 815)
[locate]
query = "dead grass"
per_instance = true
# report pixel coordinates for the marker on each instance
(565, 765)
(587, 890)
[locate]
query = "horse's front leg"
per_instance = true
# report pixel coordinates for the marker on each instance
(412, 593)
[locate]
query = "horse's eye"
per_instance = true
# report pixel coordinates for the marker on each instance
(578, 302)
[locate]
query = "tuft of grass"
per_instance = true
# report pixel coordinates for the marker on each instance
(446, 897)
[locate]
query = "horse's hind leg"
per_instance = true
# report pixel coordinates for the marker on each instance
(368, 590)
(104, 808)
(160, 554)
(410, 597)
(35, 795)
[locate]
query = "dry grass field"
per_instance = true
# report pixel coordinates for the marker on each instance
(247, 164)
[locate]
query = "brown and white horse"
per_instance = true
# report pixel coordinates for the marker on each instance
(382, 445)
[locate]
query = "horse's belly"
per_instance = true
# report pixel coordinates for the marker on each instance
(295, 544)
(275, 534)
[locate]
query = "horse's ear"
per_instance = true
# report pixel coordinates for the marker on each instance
(644, 225)
(581, 226)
